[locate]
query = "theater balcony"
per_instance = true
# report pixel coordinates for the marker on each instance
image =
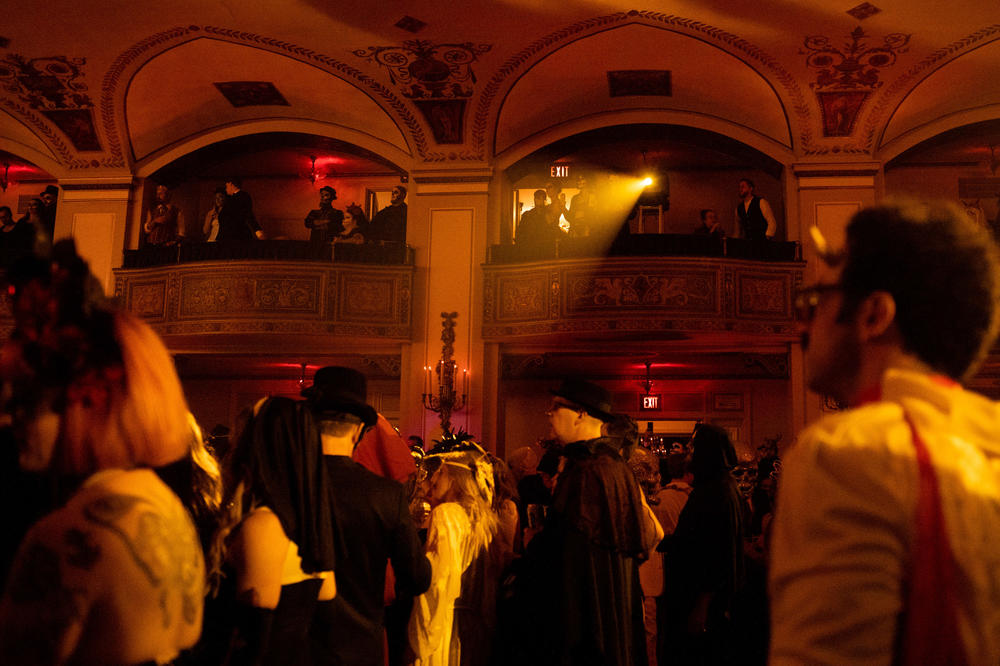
(649, 287)
(271, 297)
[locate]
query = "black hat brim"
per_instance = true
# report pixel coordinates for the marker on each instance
(590, 409)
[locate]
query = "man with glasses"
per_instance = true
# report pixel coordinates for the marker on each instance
(884, 543)
(373, 526)
(581, 571)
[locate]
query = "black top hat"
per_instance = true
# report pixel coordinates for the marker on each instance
(339, 389)
(51, 189)
(596, 400)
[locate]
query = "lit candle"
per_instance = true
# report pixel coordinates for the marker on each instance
(465, 381)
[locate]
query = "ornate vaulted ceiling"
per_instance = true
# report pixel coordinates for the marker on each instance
(118, 87)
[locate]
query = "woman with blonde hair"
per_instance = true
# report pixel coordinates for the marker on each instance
(115, 574)
(453, 622)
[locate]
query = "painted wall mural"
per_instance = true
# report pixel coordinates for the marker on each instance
(53, 86)
(437, 77)
(848, 74)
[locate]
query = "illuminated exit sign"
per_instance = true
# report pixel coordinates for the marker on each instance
(559, 171)
(650, 402)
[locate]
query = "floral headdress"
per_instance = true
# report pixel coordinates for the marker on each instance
(463, 451)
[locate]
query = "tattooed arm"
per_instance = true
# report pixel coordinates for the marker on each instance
(115, 576)
(49, 594)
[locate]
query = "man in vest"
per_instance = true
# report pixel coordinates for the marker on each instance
(754, 218)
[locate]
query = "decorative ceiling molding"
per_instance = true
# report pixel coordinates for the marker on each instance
(506, 77)
(127, 64)
(895, 93)
(52, 91)
(847, 77)
(437, 78)
(113, 96)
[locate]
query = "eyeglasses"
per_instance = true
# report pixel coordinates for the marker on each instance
(808, 299)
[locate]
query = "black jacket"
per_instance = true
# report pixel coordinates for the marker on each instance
(373, 526)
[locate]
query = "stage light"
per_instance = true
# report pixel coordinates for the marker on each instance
(646, 182)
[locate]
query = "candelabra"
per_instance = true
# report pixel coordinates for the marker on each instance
(447, 401)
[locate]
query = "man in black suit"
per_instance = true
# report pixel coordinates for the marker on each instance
(236, 219)
(373, 527)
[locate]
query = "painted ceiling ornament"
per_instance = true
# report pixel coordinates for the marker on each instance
(847, 76)
(54, 87)
(437, 77)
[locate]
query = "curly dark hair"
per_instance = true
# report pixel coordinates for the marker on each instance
(942, 271)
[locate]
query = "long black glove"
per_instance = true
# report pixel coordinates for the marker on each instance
(251, 635)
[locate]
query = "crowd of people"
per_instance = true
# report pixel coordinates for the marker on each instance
(317, 534)
(33, 229)
(551, 219)
(232, 219)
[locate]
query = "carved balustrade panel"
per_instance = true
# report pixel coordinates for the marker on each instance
(271, 297)
(635, 295)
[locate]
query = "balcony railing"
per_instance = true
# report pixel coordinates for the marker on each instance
(384, 253)
(647, 245)
(262, 304)
(639, 297)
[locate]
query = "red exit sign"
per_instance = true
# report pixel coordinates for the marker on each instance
(559, 171)
(649, 402)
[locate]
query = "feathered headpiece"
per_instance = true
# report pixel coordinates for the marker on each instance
(462, 451)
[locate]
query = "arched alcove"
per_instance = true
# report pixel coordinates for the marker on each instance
(946, 98)
(573, 82)
(21, 179)
(961, 165)
(183, 93)
(278, 171)
(692, 169)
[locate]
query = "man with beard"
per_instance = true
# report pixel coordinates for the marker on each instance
(883, 548)
(581, 599)
(754, 218)
(164, 222)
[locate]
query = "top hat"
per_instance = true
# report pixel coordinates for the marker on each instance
(332, 191)
(50, 189)
(339, 389)
(596, 400)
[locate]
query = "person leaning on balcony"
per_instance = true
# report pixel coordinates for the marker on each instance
(236, 219)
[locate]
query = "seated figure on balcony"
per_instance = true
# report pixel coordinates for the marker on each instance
(353, 224)
(535, 227)
(325, 222)
(389, 224)
(710, 225)
(236, 219)
(164, 222)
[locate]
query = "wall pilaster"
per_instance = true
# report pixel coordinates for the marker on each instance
(826, 195)
(446, 225)
(95, 213)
